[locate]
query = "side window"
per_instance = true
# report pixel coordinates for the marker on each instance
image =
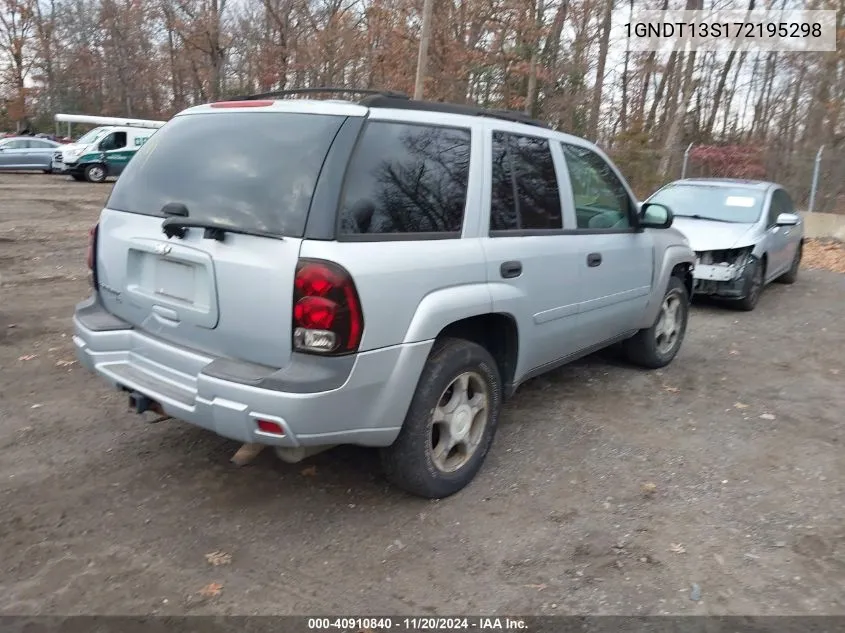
(525, 193)
(39, 144)
(781, 203)
(16, 144)
(115, 140)
(601, 200)
(406, 178)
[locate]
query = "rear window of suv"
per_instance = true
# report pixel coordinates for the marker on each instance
(253, 171)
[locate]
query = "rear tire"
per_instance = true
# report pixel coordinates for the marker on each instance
(791, 276)
(95, 173)
(755, 280)
(658, 345)
(450, 424)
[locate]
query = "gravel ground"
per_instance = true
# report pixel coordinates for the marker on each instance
(609, 490)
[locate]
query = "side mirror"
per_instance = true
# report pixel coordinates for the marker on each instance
(654, 215)
(787, 219)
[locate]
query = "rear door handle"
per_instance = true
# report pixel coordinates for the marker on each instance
(509, 270)
(593, 259)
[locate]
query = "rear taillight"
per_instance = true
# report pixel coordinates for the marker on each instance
(327, 315)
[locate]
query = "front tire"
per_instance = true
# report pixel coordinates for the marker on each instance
(791, 276)
(658, 345)
(755, 277)
(450, 424)
(95, 173)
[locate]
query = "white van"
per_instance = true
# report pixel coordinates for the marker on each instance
(105, 150)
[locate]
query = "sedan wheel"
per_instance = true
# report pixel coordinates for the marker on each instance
(755, 272)
(791, 276)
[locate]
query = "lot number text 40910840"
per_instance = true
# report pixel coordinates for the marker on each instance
(432, 623)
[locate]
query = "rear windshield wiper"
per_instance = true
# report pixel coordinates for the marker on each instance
(178, 226)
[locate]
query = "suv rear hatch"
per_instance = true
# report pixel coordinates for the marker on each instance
(225, 292)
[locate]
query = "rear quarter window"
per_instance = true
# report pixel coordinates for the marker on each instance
(255, 171)
(406, 179)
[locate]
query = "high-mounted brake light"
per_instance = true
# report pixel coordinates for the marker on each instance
(242, 104)
(327, 315)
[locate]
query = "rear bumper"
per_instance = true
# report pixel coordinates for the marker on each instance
(364, 403)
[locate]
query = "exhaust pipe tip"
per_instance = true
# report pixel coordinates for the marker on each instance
(294, 455)
(139, 402)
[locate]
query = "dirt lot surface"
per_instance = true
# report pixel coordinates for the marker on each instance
(608, 489)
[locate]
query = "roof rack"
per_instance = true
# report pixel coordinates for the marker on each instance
(326, 90)
(393, 99)
(381, 100)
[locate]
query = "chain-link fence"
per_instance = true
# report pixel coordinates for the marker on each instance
(814, 177)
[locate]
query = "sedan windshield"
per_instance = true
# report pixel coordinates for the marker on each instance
(704, 202)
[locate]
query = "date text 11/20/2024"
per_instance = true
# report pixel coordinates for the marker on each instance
(367, 625)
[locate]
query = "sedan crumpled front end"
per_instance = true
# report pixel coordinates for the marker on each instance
(721, 272)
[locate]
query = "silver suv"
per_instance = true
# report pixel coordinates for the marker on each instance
(303, 273)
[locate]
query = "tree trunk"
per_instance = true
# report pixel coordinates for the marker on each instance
(531, 96)
(604, 41)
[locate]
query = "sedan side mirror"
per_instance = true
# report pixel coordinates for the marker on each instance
(654, 215)
(787, 219)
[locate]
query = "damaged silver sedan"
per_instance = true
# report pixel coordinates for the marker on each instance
(745, 234)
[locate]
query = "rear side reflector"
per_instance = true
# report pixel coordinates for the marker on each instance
(241, 104)
(267, 426)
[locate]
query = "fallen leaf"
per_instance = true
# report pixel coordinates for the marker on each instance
(65, 363)
(211, 590)
(649, 488)
(733, 352)
(677, 548)
(218, 558)
(310, 471)
(739, 405)
(36, 406)
(670, 389)
(719, 559)
(767, 416)
(539, 587)
(834, 371)
(28, 357)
